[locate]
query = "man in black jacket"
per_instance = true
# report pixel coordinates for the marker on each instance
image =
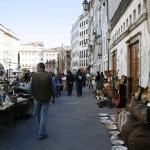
(79, 82)
(69, 80)
(42, 89)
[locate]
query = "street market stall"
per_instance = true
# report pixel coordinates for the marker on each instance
(15, 103)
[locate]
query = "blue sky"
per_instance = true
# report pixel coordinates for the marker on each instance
(47, 21)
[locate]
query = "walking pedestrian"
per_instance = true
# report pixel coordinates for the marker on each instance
(79, 82)
(97, 79)
(101, 81)
(27, 76)
(90, 84)
(41, 86)
(58, 83)
(69, 80)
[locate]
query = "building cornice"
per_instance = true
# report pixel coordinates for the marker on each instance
(119, 12)
(130, 29)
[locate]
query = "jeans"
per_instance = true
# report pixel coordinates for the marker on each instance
(58, 92)
(69, 86)
(41, 113)
(79, 89)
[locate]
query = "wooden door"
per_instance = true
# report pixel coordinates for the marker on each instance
(134, 66)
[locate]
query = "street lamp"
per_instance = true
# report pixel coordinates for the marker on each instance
(85, 5)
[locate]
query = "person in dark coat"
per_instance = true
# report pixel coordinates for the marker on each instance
(122, 93)
(41, 87)
(69, 80)
(79, 82)
(58, 83)
(27, 76)
(97, 79)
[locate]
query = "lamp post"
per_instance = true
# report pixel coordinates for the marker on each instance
(85, 5)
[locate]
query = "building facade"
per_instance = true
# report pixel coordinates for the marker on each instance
(9, 48)
(64, 59)
(129, 43)
(79, 47)
(51, 59)
(31, 54)
(75, 47)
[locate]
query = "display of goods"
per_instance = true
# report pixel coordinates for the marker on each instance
(137, 110)
(144, 97)
(139, 139)
(132, 104)
(117, 84)
(128, 88)
(119, 147)
(127, 128)
(108, 89)
(109, 73)
(143, 116)
(13, 98)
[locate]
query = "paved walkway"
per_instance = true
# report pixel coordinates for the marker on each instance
(72, 124)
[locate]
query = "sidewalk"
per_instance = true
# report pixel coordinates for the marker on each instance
(72, 124)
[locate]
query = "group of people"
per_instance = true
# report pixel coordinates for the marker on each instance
(44, 87)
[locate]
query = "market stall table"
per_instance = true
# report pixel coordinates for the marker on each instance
(6, 113)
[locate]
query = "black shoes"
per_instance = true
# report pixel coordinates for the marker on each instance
(42, 137)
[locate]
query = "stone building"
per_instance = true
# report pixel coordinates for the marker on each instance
(31, 54)
(64, 59)
(51, 59)
(9, 48)
(129, 44)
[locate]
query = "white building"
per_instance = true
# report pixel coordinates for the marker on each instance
(94, 47)
(130, 46)
(9, 48)
(107, 10)
(100, 12)
(75, 47)
(79, 47)
(31, 54)
(83, 38)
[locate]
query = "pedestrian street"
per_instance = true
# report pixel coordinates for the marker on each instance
(73, 124)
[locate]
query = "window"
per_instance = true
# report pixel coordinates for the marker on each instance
(144, 4)
(126, 22)
(87, 21)
(86, 31)
(86, 53)
(134, 15)
(130, 18)
(124, 26)
(121, 29)
(139, 9)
